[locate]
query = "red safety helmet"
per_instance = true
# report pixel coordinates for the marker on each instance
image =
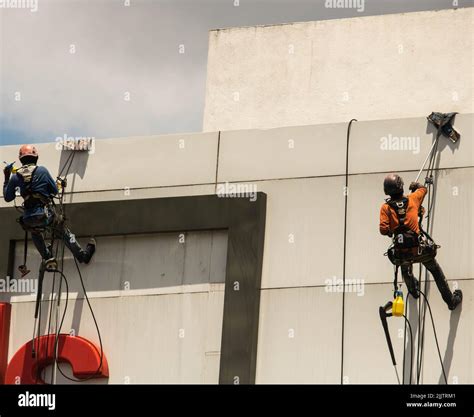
(28, 150)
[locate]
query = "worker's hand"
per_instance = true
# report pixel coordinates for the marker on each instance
(61, 183)
(414, 186)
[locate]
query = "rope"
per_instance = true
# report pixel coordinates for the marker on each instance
(59, 230)
(407, 322)
(422, 305)
(345, 245)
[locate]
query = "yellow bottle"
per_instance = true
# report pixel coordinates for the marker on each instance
(398, 306)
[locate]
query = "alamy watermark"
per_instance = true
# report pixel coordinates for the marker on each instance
(400, 143)
(21, 285)
(337, 285)
(359, 5)
(32, 5)
(237, 190)
(76, 143)
(28, 399)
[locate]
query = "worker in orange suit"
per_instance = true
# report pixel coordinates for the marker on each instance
(399, 220)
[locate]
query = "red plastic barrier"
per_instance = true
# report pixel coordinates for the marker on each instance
(80, 353)
(5, 314)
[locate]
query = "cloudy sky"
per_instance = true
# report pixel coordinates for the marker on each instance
(103, 68)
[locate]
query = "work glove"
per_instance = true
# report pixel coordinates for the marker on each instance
(414, 186)
(61, 184)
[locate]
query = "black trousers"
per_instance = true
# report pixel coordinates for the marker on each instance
(37, 226)
(438, 275)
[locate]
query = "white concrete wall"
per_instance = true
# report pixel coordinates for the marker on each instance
(374, 67)
(302, 171)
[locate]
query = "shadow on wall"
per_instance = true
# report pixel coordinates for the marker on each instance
(448, 354)
(415, 320)
(75, 163)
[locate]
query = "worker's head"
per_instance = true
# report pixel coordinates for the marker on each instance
(28, 154)
(393, 185)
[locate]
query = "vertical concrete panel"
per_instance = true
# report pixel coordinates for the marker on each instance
(453, 222)
(403, 144)
(106, 270)
(201, 264)
(213, 322)
(365, 245)
(366, 356)
(150, 262)
(455, 336)
(287, 152)
(218, 262)
(304, 231)
(299, 336)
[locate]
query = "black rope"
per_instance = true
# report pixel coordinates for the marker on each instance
(54, 231)
(53, 286)
(37, 340)
(63, 316)
(436, 337)
(345, 245)
(422, 305)
(407, 322)
(69, 160)
(421, 310)
(58, 296)
(97, 372)
(84, 291)
(404, 339)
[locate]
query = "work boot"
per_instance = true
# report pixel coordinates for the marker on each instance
(457, 299)
(50, 264)
(90, 250)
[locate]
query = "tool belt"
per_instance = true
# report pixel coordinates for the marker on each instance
(426, 250)
(46, 216)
